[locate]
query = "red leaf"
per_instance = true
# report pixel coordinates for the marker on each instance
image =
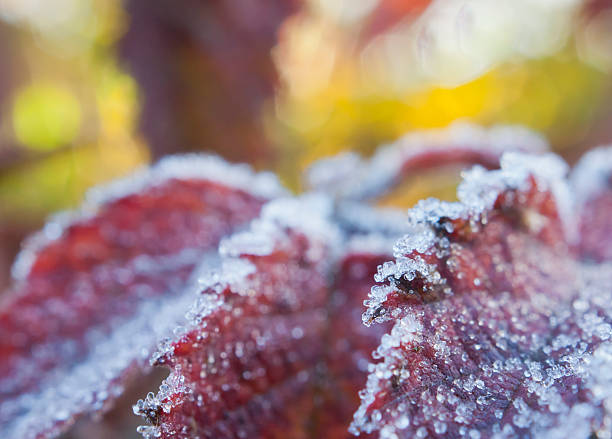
(246, 366)
(272, 349)
(330, 356)
(500, 323)
(592, 180)
(499, 329)
(350, 343)
(348, 176)
(97, 288)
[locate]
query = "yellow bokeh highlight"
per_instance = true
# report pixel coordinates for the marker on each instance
(60, 180)
(439, 106)
(76, 117)
(557, 95)
(117, 103)
(439, 183)
(45, 116)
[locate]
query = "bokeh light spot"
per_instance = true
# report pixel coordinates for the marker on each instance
(45, 116)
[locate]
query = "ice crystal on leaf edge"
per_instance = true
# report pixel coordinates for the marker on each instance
(76, 325)
(501, 321)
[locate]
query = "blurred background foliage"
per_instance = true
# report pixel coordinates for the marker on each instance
(92, 89)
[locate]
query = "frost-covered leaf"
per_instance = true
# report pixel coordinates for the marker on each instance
(351, 177)
(592, 180)
(272, 348)
(97, 288)
(496, 310)
(500, 329)
(246, 365)
(350, 343)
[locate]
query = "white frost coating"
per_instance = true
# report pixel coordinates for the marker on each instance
(232, 272)
(349, 177)
(361, 217)
(188, 166)
(196, 166)
(247, 243)
(548, 366)
(591, 175)
(99, 378)
(308, 214)
(477, 194)
(171, 386)
(479, 190)
(405, 330)
(372, 243)
(333, 172)
(211, 280)
(600, 375)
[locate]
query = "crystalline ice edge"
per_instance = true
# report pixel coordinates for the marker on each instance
(477, 194)
(138, 239)
(254, 283)
(519, 350)
(350, 177)
(184, 167)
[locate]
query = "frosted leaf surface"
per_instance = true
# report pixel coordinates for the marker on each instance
(276, 351)
(255, 336)
(431, 222)
(350, 177)
(592, 183)
(350, 343)
(499, 328)
(356, 217)
(494, 316)
(97, 288)
(185, 167)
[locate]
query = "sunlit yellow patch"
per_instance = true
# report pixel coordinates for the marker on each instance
(117, 103)
(439, 106)
(556, 95)
(60, 180)
(439, 183)
(45, 116)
